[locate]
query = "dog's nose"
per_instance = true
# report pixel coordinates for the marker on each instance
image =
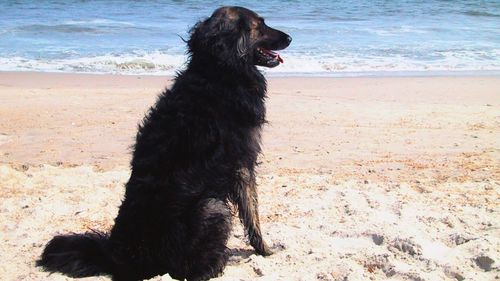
(289, 39)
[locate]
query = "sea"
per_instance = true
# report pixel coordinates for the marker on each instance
(330, 37)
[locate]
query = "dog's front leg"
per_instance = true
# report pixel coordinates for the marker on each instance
(249, 213)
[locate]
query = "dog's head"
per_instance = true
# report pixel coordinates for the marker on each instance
(233, 36)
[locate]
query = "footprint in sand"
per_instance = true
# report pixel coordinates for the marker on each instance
(4, 138)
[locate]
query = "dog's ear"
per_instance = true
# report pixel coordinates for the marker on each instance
(243, 42)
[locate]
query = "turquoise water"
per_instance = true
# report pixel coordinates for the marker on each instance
(329, 37)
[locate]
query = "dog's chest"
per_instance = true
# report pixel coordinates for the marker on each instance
(244, 106)
(243, 145)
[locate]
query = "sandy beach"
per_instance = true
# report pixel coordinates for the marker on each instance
(384, 178)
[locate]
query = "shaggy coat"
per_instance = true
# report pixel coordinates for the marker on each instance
(194, 157)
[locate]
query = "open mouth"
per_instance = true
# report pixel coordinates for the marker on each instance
(267, 58)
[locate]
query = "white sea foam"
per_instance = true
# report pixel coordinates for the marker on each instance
(152, 63)
(357, 63)
(160, 63)
(97, 22)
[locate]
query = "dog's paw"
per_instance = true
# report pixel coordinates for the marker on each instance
(263, 250)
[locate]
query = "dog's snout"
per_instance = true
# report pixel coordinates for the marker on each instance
(289, 39)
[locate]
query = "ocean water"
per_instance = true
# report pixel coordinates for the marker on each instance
(329, 37)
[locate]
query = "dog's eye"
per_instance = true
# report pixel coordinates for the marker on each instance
(261, 25)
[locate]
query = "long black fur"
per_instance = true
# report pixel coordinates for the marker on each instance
(195, 155)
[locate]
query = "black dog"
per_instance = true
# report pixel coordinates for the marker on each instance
(195, 153)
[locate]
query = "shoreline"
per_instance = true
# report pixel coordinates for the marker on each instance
(45, 80)
(271, 75)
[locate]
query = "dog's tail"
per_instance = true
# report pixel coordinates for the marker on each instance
(78, 255)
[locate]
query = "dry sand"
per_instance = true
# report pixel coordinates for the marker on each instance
(361, 178)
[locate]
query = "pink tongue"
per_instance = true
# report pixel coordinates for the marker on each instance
(279, 58)
(276, 55)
